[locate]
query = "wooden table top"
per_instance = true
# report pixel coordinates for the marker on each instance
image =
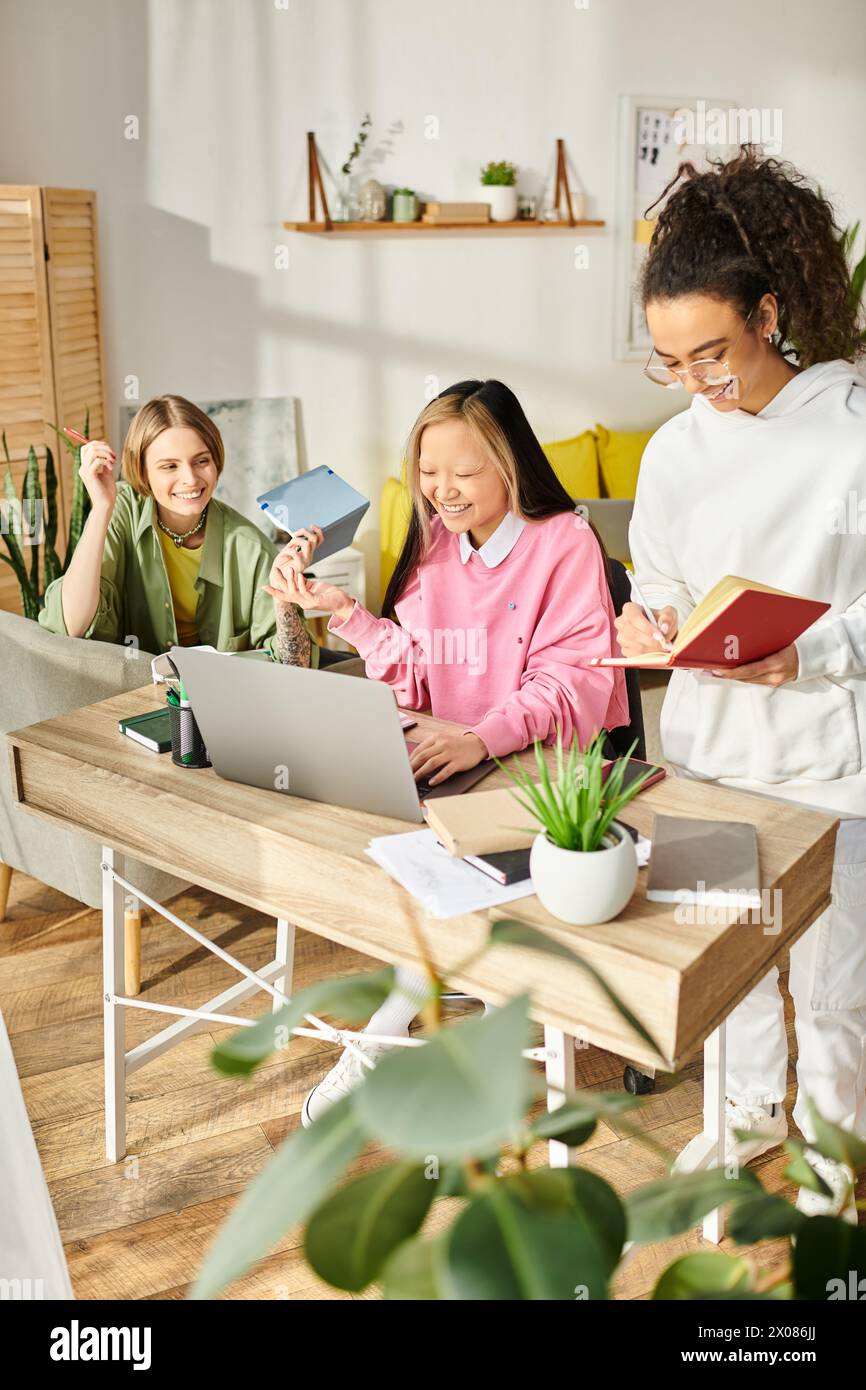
(305, 861)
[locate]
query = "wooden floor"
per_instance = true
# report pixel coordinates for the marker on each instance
(139, 1229)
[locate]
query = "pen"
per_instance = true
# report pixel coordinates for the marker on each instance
(648, 614)
(73, 434)
(76, 437)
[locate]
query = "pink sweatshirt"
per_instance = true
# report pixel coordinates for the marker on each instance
(500, 649)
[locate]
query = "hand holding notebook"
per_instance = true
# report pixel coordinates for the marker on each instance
(738, 621)
(318, 498)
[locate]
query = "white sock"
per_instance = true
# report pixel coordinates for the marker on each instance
(402, 1004)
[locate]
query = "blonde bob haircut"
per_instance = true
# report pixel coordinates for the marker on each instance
(163, 413)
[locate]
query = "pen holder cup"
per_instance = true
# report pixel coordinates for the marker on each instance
(187, 745)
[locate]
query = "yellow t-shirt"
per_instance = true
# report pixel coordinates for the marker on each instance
(182, 567)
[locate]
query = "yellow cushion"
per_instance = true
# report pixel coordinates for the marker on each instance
(619, 454)
(575, 463)
(395, 509)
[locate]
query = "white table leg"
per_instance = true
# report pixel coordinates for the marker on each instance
(559, 1070)
(114, 1029)
(285, 953)
(714, 1120)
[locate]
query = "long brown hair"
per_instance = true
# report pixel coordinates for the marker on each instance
(496, 418)
(750, 227)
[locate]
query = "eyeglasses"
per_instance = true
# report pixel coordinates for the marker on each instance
(707, 372)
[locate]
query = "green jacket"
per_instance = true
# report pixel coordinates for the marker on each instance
(135, 604)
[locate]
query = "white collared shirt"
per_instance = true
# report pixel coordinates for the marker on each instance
(499, 546)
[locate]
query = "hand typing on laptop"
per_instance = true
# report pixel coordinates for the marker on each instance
(441, 755)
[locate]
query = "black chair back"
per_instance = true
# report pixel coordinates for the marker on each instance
(619, 740)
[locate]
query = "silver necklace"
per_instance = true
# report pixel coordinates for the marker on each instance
(176, 536)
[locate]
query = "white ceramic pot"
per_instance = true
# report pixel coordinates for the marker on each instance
(503, 201)
(580, 888)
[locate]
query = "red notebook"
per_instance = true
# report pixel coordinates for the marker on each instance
(736, 622)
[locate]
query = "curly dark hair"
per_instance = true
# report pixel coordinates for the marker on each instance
(749, 227)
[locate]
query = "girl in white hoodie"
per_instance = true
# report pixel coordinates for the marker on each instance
(748, 301)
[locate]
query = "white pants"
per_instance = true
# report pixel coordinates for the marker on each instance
(827, 982)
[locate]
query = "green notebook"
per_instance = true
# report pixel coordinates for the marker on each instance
(152, 730)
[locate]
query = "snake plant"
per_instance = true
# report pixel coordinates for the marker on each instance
(30, 522)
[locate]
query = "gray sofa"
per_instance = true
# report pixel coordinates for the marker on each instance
(44, 675)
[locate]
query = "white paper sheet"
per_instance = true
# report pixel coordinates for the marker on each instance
(446, 886)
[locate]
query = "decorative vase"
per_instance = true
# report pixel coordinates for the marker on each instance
(346, 209)
(373, 201)
(405, 206)
(584, 889)
(502, 199)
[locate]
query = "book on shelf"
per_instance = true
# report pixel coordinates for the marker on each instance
(450, 211)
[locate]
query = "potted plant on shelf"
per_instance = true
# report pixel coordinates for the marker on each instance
(499, 181)
(405, 207)
(583, 864)
(347, 202)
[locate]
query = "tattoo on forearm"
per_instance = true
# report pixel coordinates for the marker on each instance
(292, 643)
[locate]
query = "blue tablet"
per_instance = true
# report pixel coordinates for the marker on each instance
(318, 498)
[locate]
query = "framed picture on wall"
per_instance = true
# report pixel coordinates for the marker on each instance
(656, 134)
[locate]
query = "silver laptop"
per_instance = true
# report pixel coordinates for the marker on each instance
(307, 733)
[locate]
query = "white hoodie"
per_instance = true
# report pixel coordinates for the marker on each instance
(770, 497)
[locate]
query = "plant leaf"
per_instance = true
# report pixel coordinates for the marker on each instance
(509, 932)
(829, 1260)
(460, 1096)
(294, 1181)
(672, 1205)
(49, 551)
(763, 1217)
(837, 1143)
(574, 1122)
(354, 997)
(547, 1234)
(416, 1271)
(31, 498)
(352, 1234)
(704, 1274)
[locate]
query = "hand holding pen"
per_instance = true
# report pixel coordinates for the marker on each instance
(640, 630)
(97, 470)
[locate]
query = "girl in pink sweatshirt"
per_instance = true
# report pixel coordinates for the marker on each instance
(500, 591)
(500, 596)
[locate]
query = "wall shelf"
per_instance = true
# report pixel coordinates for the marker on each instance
(382, 228)
(316, 193)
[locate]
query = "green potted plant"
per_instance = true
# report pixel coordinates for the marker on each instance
(582, 863)
(405, 207)
(499, 182)
(30, 522)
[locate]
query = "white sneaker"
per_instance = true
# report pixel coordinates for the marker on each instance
(340, 1080)
(768, 1127)
(840, 1180)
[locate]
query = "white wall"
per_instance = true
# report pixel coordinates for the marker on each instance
(225, 91)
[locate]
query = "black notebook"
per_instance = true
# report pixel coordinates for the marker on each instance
(506, 866)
